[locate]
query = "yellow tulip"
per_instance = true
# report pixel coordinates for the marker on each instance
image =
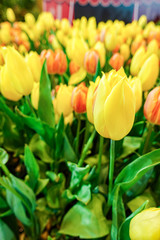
(152, 48)
(90, 99)
(76, 50)
(146, 225)
(142, 21)
(5, 36)
(35, 95)
(63, 100)
(10, 15)
(149, 72)
(29, 19)
(65, 25)
(114, 106)
(110, 40)
(138, 60)
(16, 77)
(78, 76)
(136, 86)
(99, 47)
(34, 63)
(125, 51)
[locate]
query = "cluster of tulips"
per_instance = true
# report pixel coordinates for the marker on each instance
(106, 73)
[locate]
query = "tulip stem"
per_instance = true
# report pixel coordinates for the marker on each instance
(77, 135)
(147, 138)
(86, 148)
(111, 168)
(100, 154)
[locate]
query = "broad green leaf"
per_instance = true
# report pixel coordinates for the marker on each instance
(69, 153)
(40, 127)
(40, 149)
(84, 194)
(124, 229)
(130, 144)
(32, 167)
(3, 156)
(45, 106)
(41, 184)
(5, 232)
(24, 190)
(3, 203)
(77, 174)
(86, 222)
(135, 170)
(139, 200)
(59, 137)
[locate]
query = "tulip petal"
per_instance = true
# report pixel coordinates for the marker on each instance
(119, 110)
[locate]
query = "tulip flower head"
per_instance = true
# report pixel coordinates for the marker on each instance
(91, 61)
(34, 63)
(146, 225)
(114, 106)
(116, 61)
(152, 106)
(79, 98)
(16, 77)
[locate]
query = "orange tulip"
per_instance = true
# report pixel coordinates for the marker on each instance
(152, 106)
(116, 61)
(79, 98)
(73, 67)
(56, 61)
(90, 61)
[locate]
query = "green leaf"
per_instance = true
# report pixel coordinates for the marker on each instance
(40, 149)
(84, 194)
(98, 71)
(86, 222)
(135, 170)
(130, 144)
(40, 127)
(3, 203)
(45, 106)
(25, 191)
(77, 174)
(124, 229)
(60, 137)
(69, 153)
(139, 200)
(3, 156)
(5, 232)
(41, 184)
(32, 167)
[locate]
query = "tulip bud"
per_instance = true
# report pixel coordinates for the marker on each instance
(49, 56)
(29, 19)
(142, 21)
(15, 75)
(116, 61)
(137, 61)
(10, 15)
(152, 48)
(63, 100)
(149, 72)
(145, 225)
(60, 62)
(73, 67)
(91, 61)
(34, 63)
(125, 51)
(79, 98)
(35, 95)
(151, 106)
(136, 86)
(100, 49)
(114, 106)
(110, 40)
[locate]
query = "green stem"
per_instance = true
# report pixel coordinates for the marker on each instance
(86, 147)
(147, 138)
(86, 133)
(77, 134)
(30, 105)
(111, 168)
(100, 154)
